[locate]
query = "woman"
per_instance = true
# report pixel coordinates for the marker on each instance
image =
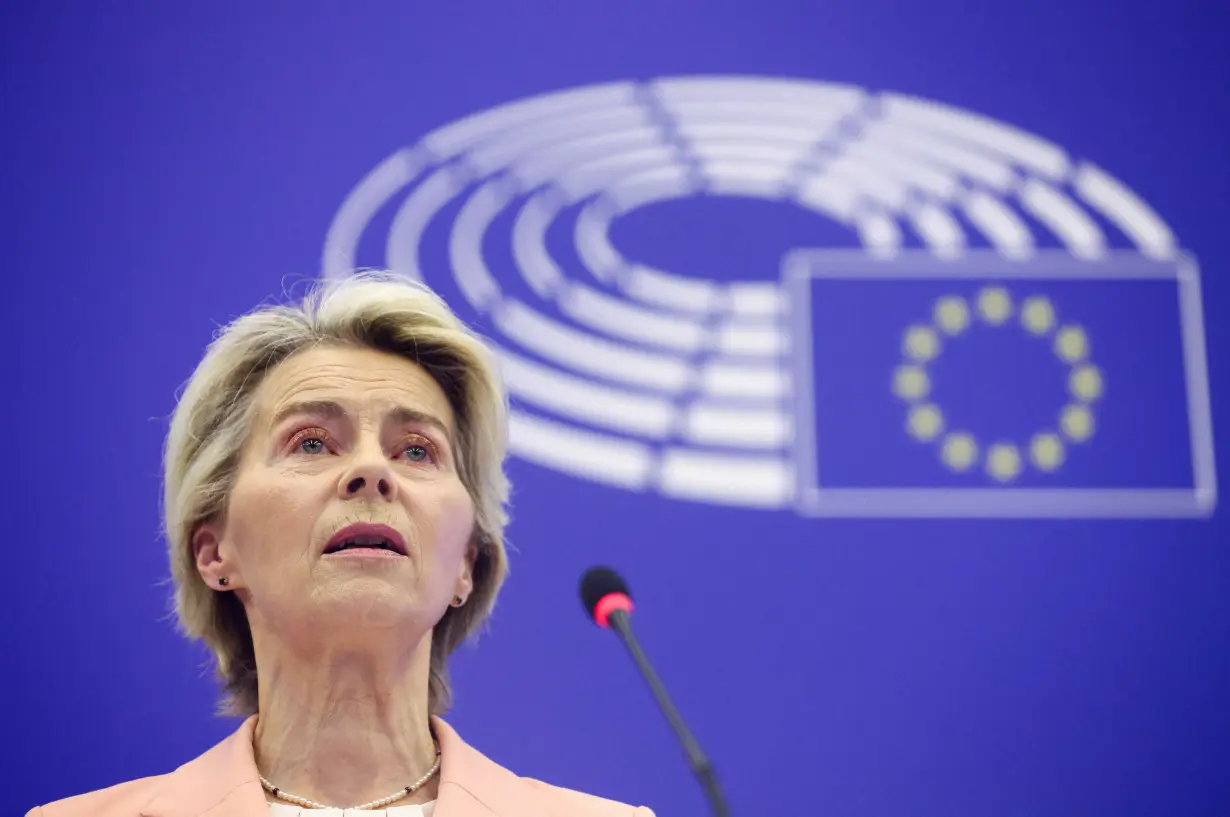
(334, 509)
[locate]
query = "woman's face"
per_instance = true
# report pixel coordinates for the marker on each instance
(344, 437)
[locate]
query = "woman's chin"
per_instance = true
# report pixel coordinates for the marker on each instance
(372, 610)
(364, 597)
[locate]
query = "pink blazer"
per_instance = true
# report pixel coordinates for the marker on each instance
(223, 783)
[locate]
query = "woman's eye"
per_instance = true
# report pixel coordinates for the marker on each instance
(419, 452)
(312, 441)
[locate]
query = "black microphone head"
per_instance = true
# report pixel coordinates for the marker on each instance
(599, 583)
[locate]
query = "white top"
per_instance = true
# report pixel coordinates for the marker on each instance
(285, 810)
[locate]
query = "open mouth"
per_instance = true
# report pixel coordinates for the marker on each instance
(368, 538)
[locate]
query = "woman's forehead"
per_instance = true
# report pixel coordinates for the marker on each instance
(354, 382)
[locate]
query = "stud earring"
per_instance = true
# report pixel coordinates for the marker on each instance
(458, 601)
(223, 582)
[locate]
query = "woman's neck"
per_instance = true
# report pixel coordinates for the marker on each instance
(344, 727)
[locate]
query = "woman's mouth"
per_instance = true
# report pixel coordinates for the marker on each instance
(379, 541)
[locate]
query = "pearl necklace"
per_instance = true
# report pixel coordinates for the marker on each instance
(383, 801)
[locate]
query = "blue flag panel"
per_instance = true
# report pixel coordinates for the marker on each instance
(985, 386)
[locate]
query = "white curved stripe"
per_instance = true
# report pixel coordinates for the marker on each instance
(938, 183)
(529, 246)
(584, 129)
(368, 196)
(622, 319)
(733, 380)
(595, 176)
(883, 138)
(755, 299)
(645, 188)
(759, 482)
(548, 161)
(1024, 148)
(732, 427)
(830, 197)
(670, 291)
(585, 400)
(879, 234)
(614, 164)
(585, 353)
(939, 230)
(1126, 210)
(819, 120)
(753, 132)
(746, 179)
(410, 222)
(750, 340)
(592, 244)
(1002, 227)
(1064, 218)
(584, 454)
(465, 245)
(580, 123)
(868, 179)
(749, 153)
(457, 137)
(781, 89)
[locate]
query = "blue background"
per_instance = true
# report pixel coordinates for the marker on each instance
(166, 167)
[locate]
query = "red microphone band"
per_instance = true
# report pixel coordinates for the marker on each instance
(609, 604)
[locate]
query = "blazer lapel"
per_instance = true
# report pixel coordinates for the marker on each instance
(471, 785)
(222, 782)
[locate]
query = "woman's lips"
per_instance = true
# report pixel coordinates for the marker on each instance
(363, 553)
(368, 534)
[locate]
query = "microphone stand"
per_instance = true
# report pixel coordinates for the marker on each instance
(621, 623)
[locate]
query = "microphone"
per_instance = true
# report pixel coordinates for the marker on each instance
(608, 601)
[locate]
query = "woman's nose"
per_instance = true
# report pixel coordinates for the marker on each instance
(369, 478)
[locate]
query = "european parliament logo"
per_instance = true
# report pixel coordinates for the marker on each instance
(1016, 335)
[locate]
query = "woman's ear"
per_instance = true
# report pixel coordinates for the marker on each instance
(464, 585)
(216, 570)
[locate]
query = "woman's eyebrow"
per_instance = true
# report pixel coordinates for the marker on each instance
(330, 409)
(320, 408)
(402, 415)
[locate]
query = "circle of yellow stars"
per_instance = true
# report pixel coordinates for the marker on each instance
(1003, 460)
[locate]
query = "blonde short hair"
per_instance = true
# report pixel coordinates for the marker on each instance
(213, 418)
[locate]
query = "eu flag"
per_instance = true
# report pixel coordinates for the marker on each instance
(982, 386)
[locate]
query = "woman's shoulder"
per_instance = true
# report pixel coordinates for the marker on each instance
(500, 790)
(121, 800)
(571, 803)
